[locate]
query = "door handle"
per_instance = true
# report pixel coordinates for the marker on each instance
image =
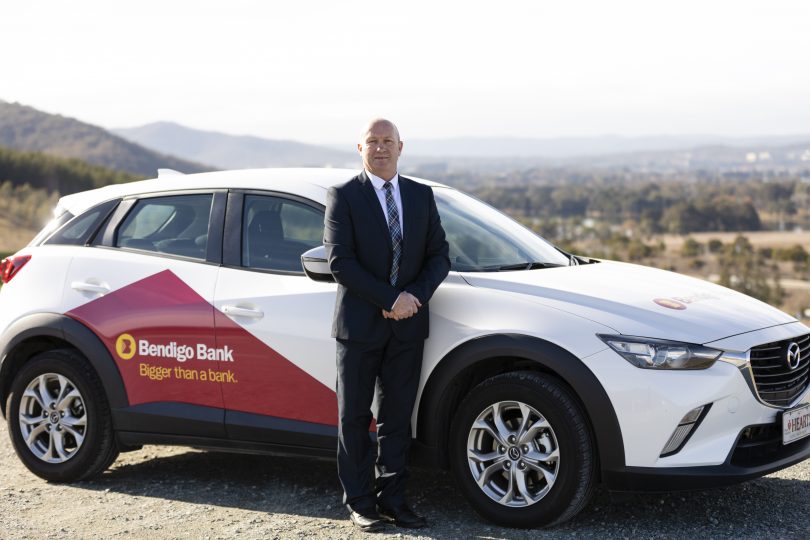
(89, 287)
(242, 312)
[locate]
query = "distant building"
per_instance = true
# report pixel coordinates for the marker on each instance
(753, 157)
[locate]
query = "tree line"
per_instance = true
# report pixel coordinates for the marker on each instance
(655, 203)
(31, 184)
(55, 174)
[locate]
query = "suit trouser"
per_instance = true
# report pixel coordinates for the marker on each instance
(397, 366)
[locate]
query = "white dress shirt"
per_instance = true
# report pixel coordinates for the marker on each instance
(378, 183)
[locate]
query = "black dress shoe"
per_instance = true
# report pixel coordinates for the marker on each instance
(367, 520)
(403, 517)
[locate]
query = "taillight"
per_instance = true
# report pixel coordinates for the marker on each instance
(11, 265)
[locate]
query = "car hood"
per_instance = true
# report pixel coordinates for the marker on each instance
(639, 301)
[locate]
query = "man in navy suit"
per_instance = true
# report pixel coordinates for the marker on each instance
(388, 254)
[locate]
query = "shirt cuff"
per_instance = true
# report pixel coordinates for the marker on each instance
(395, 301)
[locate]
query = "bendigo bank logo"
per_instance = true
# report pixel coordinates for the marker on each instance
(669, 303)
(680, 302)
(125, 346)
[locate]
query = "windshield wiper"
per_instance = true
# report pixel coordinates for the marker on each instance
(521, 266)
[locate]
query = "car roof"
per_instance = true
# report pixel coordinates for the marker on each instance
(311, 183)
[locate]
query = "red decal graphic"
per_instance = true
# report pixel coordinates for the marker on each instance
(269, 383)
(170, 344)
(154, 313)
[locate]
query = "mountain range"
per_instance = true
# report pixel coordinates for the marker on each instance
(142, 150)
(28, 129)
(574, 147)
(234, 151)
(682, 152)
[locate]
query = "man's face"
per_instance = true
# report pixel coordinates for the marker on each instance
(380, 147)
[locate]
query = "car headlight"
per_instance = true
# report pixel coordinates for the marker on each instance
(651, 353)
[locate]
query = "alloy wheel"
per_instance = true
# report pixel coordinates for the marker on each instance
(513, 454)
(53, 418)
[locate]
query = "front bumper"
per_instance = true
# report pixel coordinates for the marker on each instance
(739, 438)
(754, 454)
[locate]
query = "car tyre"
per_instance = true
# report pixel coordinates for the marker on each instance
(521, 450)
(59, 418)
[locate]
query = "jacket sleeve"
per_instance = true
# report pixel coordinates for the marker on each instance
(338, 238)
(437, 259)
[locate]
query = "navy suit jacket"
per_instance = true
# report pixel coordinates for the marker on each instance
(358, 246)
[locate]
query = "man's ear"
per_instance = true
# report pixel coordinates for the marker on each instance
(360, 148)
(400, 147)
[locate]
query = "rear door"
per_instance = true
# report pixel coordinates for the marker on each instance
(145, 287)
(277, 322)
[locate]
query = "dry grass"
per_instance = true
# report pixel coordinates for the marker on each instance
(12, 236)
(792, 279)
(774, 239)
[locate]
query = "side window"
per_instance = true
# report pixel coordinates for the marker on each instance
(276, 231)
(79, 230)
(176, 225)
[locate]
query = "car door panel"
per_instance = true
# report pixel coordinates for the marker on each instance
(278, 323)
(152, 308)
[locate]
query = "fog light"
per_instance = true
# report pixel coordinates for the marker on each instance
(685, 428)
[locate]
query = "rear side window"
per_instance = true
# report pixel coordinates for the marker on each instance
(50, 227)
(175, 225)
(276, 231)
(80, 230)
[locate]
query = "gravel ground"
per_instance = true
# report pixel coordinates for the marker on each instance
(164, 492)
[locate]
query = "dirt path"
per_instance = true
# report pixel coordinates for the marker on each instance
(162, 492)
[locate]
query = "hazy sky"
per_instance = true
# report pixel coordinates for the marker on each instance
(315, 70)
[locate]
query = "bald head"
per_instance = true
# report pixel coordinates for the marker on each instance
(380, 147)
(375, 123)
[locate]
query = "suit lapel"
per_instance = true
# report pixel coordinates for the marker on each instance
(374, 206)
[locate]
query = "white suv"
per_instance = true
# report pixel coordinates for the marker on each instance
(176, 311)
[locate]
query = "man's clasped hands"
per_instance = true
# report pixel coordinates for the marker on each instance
(406, 306)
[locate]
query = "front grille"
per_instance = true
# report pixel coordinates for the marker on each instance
(776, 383)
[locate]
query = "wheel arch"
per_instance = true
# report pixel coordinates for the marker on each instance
(45, 331)
(486, 356)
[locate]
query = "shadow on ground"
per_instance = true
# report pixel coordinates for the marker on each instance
(768, 507)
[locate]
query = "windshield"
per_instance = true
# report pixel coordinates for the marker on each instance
(483, 239)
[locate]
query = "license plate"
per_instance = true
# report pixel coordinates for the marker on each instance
(796, 424)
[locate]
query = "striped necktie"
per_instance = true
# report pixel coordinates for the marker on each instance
(394, 229)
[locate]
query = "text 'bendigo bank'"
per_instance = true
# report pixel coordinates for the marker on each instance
(181, 353)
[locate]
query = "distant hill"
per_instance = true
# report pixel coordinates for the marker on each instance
(492, 154)
(26, 128)
(753, 157)
(234, 151)
(570, 147)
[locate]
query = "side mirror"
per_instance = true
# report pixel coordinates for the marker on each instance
(316, 267)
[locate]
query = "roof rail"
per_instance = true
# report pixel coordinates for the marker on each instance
(169, 172)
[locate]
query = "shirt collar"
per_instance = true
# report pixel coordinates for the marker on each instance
(378, 182)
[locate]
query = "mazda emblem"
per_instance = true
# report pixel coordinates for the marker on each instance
(794, 355)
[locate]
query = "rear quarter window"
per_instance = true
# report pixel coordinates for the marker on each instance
(80, 230)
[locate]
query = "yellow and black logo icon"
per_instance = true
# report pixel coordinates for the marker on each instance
(125, 346)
